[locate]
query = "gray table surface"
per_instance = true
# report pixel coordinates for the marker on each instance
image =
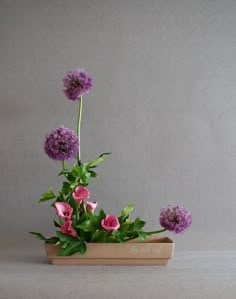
(25, 273)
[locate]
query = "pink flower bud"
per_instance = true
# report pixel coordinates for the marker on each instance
(91, 206)
(80, 194)
(111, 222)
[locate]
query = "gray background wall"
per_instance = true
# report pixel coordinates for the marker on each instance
(163, 103)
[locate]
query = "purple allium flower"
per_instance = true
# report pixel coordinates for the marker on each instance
(175, 218)
(77, 83)
(61, 144)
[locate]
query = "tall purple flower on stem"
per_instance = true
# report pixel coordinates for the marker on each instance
(175, 218)
(61, 144)
(77, 83)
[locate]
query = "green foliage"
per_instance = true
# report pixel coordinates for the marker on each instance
(88, 225)
(52, 240)
(66, 188)
(56, 223)
(47, 196)
(66, 238)
(97, 161)
(142, 235)
(71, 245)
(138, 224)
(80, 174)
(126, 211)
(92, 222)
(97, 236)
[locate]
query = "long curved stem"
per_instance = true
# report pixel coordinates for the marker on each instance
(156, 231)
(79, 125)
(148, 233)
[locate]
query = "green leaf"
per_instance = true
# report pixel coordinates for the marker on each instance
(73, 185)
(93, 223)
(87, 226)
(97, 236)
(82, 218)
(47, 196)
(142, 235)
(93, 174)
(65, 245)
(76, 171)
(82, 248)
(138, 224)
(119, 236)
(52, 240)
(66, 187)
(101, 214)
(64, 171)
(85, 236)
(39, 236)
(56, 223)
(70, 249)
(66, 238)
(72, 203)
(97, 161)
(127, 210)
(70, 177)
(84, 178)
(85, 167)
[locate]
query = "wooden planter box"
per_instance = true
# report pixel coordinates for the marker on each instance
(154, 251)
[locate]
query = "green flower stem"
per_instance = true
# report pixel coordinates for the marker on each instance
(76, 213)
(156, 231)
(64, 167)
(148, 233)
(85, 210)
(79, 125)
(131, 238)
(105, 236)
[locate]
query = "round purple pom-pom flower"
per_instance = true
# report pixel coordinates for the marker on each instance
(61, 144)
(77, 83)
(175, 218)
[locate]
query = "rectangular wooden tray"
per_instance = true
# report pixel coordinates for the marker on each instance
(154, 251)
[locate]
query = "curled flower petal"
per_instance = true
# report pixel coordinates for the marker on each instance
(63, 210)
(91, 206)
(67, 228)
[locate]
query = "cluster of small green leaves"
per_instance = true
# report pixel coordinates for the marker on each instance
(129, 230)
(88, 225)
(79, 175)
(89, 229)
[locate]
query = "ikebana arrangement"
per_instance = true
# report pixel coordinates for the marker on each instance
(78, 224)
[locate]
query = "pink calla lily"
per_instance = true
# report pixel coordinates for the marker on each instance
(80, 194)
(63, 210)
(67, 228)
(91, 206)
(111, 222)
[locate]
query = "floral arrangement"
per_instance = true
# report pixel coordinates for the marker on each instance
(77, 222)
